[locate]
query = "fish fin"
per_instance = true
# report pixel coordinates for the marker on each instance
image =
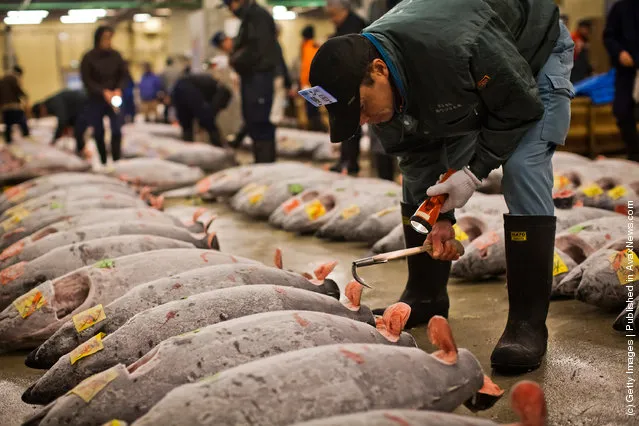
(528, 401)
(322, 271)
(278, 259)
(485, 397)
(392, 323)
(353, 293)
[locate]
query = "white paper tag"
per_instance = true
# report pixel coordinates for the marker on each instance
(317, 96)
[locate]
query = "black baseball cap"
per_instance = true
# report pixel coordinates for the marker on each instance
(218, 38)
(339, 67)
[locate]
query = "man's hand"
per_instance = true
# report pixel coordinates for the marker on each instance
(626, 60)
(108, 95)
(459, 187)
(117, 92)
(441, 238)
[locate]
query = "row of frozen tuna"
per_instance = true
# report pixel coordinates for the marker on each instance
(302, 144)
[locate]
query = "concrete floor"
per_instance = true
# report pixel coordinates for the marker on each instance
(583, 375)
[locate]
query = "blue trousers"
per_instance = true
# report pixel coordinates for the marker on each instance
(96, 110)
(528, 174)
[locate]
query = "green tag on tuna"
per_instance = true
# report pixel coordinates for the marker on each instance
(576, 229)
(105, 264)
(55, 205)
(391, 194)
(340, 189)
(295, 188)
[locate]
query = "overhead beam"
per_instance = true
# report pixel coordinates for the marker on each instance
(297, 3)
(103, 4)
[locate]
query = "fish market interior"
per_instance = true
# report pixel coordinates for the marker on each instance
(319, 212)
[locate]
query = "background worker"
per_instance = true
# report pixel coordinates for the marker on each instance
(169, 76)
(308, 50)
(346, 22)
(104, 74)
(67, 106)
(13, 102)
(151, 92)
(199, 97)
(471, 104)
(255, 57)
(621, 38)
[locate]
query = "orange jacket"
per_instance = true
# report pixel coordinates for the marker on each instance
(309, 49)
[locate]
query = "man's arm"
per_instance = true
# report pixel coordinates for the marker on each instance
(612, 33)
(509, 94)
(244, 55)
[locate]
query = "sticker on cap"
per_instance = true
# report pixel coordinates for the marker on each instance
(317, 96)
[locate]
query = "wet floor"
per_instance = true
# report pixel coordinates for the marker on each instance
(583, 375)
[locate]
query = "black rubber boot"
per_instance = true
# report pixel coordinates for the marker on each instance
(264, 151)
(425, 290)
(530, 242)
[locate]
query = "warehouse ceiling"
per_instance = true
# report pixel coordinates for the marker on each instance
(52, 5)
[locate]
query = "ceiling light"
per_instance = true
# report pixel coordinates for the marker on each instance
(67, 19)
(141, 17)
(280, 13)
(99, 13)
(14, 20)
(28, 14)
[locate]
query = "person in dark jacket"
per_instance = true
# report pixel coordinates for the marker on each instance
(201, 97)
(12, 99)
(498, 96)
(104, 74)
(68, 107)
(151, 91)
(255, 57)
(621, 38)
(346, 22)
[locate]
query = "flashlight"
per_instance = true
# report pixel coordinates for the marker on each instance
(116, 101)
(428, 213)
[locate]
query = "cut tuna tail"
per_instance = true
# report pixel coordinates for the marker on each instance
(353, 293)
(278, 259)
(392, 323)
(528, 401)
(575, 247)
(322, 271)
(485, 397)
(440, 335)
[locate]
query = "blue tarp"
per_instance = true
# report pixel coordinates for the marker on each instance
(600, 88)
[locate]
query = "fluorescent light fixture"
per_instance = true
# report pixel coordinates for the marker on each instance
(99, 13)
(141, 17)
(28, 14)
(12, 20)
(280, 13)
(67, 19)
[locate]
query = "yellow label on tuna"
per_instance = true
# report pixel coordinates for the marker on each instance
(90, 387)
(255, 198)
(592, 190)
(626, 264)
(350, 211)
(89, 318)
(384, 212)
(17, 216)
(248, 188)
(116, 422)
(617, 192)
(460, 235)
(518, 236)
(315, 209)
(29, 303)
(87, 348)
(558, 265)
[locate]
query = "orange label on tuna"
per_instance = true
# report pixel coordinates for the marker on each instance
(89, 347)
(561, 182)
(291, 205)
(29, 303)
(15, 194)
(12, 273)
(486, 240)
(626, 264)
(203, 185)
(90, 387)
(13, 250)
(315, 209)
(89, 318)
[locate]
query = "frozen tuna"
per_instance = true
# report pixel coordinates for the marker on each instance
(377, 225)
(36, 315)
(159, 175)
(164, 290)
(526, 398)
(626, 321)
(18, 279)
(583, 239)
(148, 328)
(24, 160)
(43, 185)
(391, 242)
(329, 380)
(28, 249)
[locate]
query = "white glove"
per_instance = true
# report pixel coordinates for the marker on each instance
(459, 187)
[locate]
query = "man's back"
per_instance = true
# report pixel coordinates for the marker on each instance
(255, 47)
(11, 93)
